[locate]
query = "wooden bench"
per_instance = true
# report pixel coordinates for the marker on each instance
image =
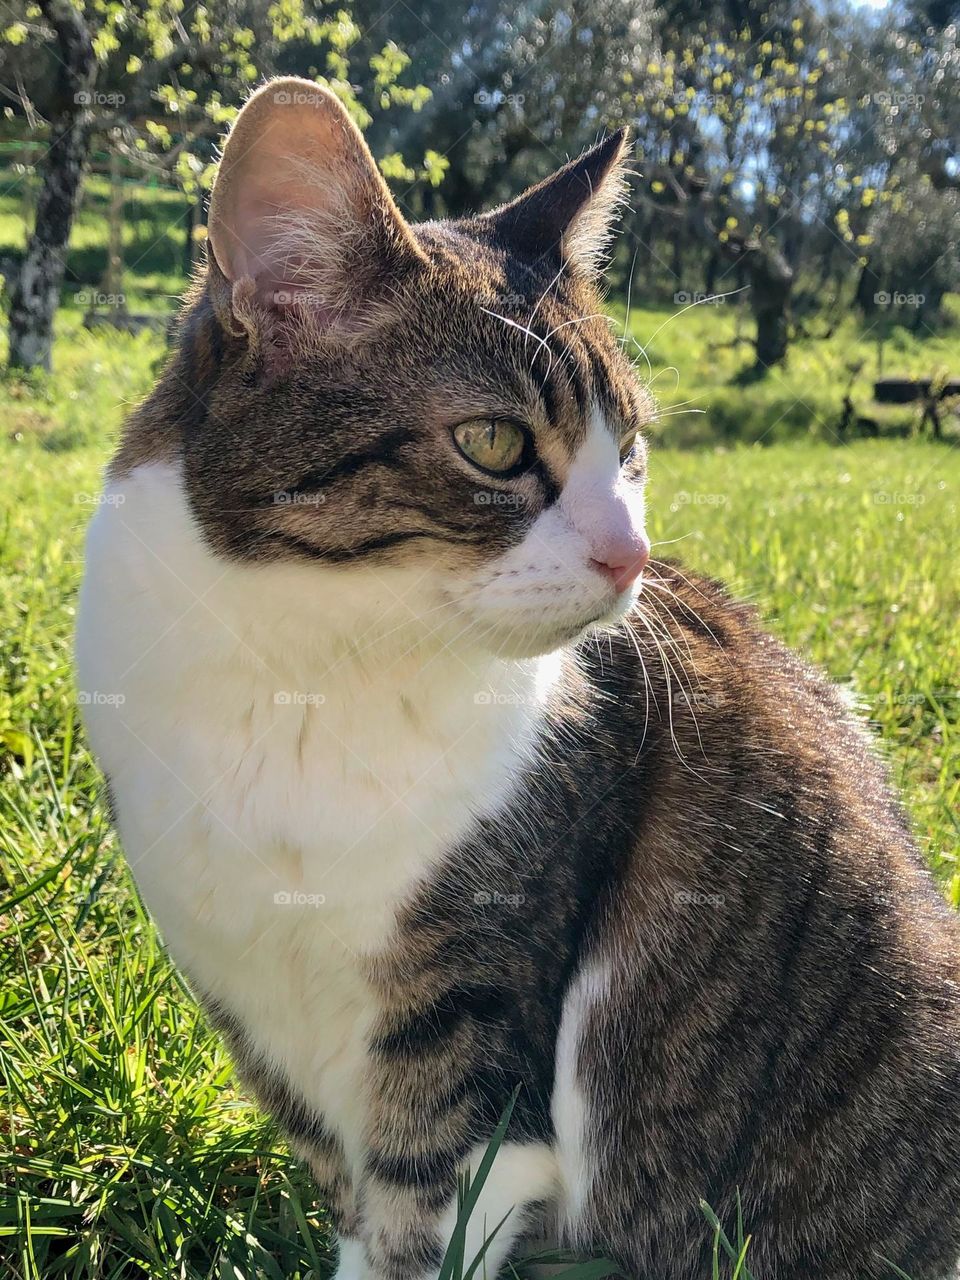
(926, 391)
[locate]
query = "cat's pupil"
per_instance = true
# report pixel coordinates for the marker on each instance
(494, 444)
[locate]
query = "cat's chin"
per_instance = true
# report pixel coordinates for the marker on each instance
(516, 640)
(517, 643)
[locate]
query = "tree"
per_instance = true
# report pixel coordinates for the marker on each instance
(37, 291)
(161, 82)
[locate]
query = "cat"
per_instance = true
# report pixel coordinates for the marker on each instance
(440, 790)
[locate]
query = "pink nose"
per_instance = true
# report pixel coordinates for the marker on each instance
(624, 565)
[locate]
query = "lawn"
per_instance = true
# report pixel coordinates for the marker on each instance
(126, 1147)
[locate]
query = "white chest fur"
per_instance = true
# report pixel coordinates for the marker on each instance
(286, 766)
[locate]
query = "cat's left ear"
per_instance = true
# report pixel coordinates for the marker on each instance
(302, 226)
(567, 219)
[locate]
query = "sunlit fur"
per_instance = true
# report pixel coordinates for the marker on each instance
(433, 817)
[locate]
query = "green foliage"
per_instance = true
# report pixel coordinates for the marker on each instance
(171, 76)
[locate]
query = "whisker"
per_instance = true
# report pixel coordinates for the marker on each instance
(597, 315)
(543, 295)
(513, 324)
(670, 673)
(713, 297)
(675, 414)
(633, 267)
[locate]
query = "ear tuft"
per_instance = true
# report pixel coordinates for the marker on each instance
(569, 217)
(300, 209)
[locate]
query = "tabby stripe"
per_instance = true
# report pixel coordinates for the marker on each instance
(339, 555)
(427, 1030)
(384, 451)
(782, 980)
(422, 1252)
(443, 522)
(433, 1176)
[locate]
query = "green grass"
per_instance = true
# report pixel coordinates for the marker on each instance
(126, 1149)
(700, 357)
(154, 237)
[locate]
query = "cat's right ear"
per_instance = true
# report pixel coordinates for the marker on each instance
(307, 243)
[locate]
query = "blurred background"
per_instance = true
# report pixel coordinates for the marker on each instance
(787, 283)
(797, 164)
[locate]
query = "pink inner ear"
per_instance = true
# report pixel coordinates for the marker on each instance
(300, 208)
(290, 195)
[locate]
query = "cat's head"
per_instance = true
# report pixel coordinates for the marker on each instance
(436, 413)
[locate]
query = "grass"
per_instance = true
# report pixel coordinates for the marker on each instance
(700, 357)
(154, 237)
(126, 1148)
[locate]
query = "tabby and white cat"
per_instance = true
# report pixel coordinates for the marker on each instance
(416, 838)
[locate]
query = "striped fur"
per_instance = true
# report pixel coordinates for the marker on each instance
(430, 815)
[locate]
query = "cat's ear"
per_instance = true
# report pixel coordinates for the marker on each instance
(302, 227)
(568, 217)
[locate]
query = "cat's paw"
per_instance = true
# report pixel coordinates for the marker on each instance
(352, 1263)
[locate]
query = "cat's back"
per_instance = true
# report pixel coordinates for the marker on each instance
(780, 974)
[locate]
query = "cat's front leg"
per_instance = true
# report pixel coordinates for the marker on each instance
(323, 1152)
(426, 1130)
(410, 1208)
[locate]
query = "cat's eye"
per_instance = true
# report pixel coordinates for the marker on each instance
(493, 444)
(627, 445)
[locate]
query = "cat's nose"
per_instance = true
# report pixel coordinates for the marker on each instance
(623, 562)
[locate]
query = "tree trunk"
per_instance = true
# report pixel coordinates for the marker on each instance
(771, 284)
(710, 281)
(37, 291)
(868, 291)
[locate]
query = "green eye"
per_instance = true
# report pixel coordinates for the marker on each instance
(494, 444)
(627, 445)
